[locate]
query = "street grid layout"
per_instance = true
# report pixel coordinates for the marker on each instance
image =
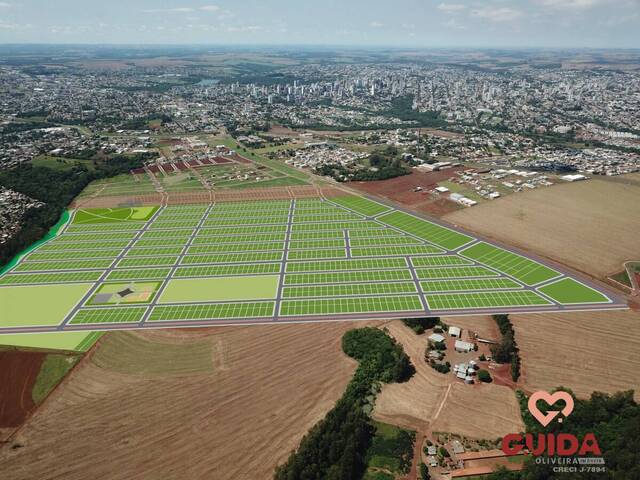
(280, 261)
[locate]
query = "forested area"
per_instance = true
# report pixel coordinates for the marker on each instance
(56, 188)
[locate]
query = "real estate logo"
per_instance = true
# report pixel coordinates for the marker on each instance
(550, 444)
(550, 398)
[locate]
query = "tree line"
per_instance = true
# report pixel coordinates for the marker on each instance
(336, 447)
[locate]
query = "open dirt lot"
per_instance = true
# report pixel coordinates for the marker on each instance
(585, 351)
(401, 190)
(437, 402)
(592, 226)
(233, 403)
(18, 373)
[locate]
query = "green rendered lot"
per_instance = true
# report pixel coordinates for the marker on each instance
(568, 291)
(110, 215)
(431, 232)
(351, 305)
(453, 301)
(76, 341)
(204, 312)
(517, 266)
(336, 263)
(142, 292)
(360, 205)
(38, 305)
(220, 289)
(349, 290)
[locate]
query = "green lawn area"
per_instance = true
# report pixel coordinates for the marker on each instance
(220, 289)
(111, 215)
(59, 163)
(53, 369)
(38, 305)
(570, 291)
(390, 453)
(77, 341)
(622, 277)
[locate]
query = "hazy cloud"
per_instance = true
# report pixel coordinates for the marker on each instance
(451, 7)
(375, 24)
(453, 23)
(569, 4)
(497, 14)
(170, 10)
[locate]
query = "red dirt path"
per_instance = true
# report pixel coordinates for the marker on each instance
(18, 373)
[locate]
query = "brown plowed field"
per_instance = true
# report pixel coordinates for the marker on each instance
(592, 225)
(437, 402)
(185, 198)
(585, 351)
(18, 373)
(400, 190)
(232, 414)
(117, 201)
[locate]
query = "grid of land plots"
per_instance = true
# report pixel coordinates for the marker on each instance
(283, 260)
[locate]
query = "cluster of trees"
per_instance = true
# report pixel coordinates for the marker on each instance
(56, 188)
(484, 376)
(402, 108)
(16, 127)
(142, 123)
(336, 447)
(397, 448)
(386, 163)
(419, 325)
(507, 350)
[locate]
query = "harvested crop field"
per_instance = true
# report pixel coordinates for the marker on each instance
(18, 373)
(591, 226)
(234, 412)
(437, 402)
(584, 351)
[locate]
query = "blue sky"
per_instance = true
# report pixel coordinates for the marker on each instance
(420, 23)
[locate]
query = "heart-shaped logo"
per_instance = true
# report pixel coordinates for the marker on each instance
(550, 398)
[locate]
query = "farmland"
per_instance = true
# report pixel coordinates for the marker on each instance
(571, 223)
(220, 424)
(586, 351)
(271, 261)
